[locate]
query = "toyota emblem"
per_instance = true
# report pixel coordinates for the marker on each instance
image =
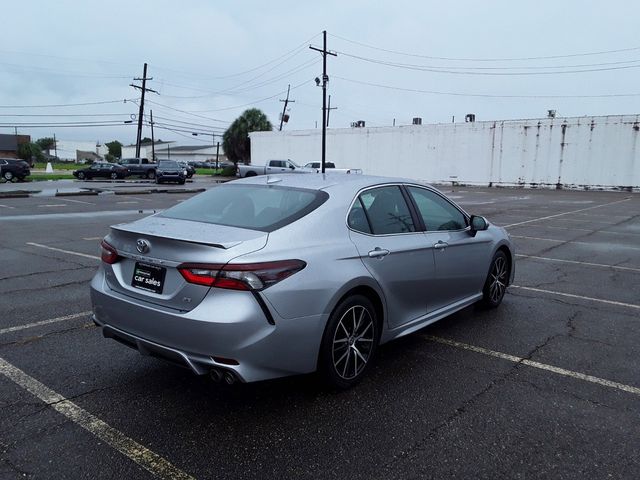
(142, 246)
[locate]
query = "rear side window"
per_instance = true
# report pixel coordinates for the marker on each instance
(256, 207)
(386, 212)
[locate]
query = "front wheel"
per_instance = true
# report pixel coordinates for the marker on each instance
(349, 342)
(81, 175)
(151, 174)
(114, 176)
(497, 280)
(8, 176)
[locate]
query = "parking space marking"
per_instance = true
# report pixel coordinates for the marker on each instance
(538, 365)
(147, 459)
(569, 241)
(581, 297)
(54, 205)
(127, 202)
(6, 206)
(576, 262)
(566, 213)
(44, 322)
(86, 255)
(92, 238)
(75, 201)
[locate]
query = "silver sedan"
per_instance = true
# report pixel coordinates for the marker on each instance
(274, 276)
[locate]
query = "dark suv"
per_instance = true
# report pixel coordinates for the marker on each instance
(11, 168)
(170, 171)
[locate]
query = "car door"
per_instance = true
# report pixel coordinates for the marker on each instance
(393, 250)
(461, 260)
(276, 166)
(94, 171)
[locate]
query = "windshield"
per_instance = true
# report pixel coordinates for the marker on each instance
(256, 207)
(168, 165)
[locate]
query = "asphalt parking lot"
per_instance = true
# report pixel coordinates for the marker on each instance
(546, 386)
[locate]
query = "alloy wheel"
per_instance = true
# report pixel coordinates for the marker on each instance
(498, 279)
(353, 342)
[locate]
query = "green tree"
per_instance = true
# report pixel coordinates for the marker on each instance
(235, 141)
(46, 143)
(115, 148)
(29, 152)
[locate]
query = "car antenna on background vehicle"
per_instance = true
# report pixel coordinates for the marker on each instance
(271, 179)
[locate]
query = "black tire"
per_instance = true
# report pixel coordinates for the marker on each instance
(8, 176)
(158, 181)
(349, 342)
(497, 281)
(114, 176)
(151, 174)
(81, 176)
(181, 182)
(251, 174)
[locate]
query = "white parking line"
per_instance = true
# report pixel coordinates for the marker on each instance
(44, 322)
(589, 264)
(54, 205)
(6, 206)
(92, 238)
(566, 213)
(127, 202)
(63, 251)
(147, 459)
(569, 241)
(538, 365)
(75, 201)
(581, 297)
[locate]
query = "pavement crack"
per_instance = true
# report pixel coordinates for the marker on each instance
(36, 338)
(26, 275)
(61, 285)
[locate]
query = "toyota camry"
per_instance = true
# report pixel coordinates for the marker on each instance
(280, 275)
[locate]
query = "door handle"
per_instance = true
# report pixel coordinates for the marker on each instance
(378, 253)
(440, 245)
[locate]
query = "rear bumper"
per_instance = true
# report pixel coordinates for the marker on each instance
(226, 324)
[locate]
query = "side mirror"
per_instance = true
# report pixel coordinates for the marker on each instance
(477, 224)
(292, 167)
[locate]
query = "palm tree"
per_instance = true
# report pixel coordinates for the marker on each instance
(235, 140)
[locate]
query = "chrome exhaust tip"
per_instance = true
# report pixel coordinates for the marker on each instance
(229, 378)
(216, 375)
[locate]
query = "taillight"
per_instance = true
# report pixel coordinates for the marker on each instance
(109, 253)
(240, 276)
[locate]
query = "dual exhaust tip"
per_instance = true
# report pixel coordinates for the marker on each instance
(225, 376)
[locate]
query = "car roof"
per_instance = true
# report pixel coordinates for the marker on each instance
(326, 181)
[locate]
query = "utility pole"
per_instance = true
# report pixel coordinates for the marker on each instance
(143, 90)
(55, 146)
(286, 102)
(325, 79)
(217, 153)
(153, 140)
(329, 108)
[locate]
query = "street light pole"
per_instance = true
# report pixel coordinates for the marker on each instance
(325, 79)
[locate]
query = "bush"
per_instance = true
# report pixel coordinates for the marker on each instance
(229, 171)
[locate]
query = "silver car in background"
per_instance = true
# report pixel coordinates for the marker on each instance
(273, 276)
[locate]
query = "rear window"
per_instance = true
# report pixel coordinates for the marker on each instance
(256, 207)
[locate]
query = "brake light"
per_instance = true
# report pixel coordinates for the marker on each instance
(109, 254)
(240, 276)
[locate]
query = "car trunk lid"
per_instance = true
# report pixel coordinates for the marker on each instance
(152, 248)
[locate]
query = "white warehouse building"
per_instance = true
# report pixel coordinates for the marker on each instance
(572, 152)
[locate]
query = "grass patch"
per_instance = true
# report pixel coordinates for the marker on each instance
(37, 177)
(58, 166)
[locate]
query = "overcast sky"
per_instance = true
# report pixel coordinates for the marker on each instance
(396, 60)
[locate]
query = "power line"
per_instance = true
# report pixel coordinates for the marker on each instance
(460, 94)
(125, 100)
(435, 69)
(513, 59)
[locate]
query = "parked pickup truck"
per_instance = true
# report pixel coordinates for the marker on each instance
(140, 167)
(272, 167)
(287, 166)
